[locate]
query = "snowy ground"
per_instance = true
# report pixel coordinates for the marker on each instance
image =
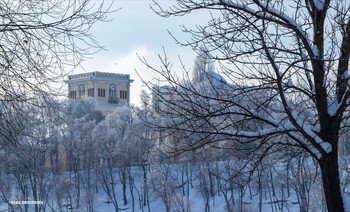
(183, 187)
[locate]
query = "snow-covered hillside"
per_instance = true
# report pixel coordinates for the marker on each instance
(202, 186)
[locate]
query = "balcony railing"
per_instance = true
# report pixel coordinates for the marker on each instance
(113, 100)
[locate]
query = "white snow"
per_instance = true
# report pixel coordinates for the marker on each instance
(315, 50)
(218, 79)
(333, 107)
(273, 173)
(346, 201)
(326, 146)
(290, 83)
(319, 4)
(259, 133)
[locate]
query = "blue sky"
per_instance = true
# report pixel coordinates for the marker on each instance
(135, 28)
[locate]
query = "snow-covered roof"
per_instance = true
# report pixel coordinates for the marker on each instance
(217, 77)
(98, 73)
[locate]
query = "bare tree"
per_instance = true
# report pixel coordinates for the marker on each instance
(41, 41)
(287, 81)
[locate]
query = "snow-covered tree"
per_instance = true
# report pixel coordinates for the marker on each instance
(294, 53)
(24, 161)
(41, 42)
(79, 147)
(118, 147)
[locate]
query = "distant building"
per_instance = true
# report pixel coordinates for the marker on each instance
(161, 94)
(166, 99)
(110, 90)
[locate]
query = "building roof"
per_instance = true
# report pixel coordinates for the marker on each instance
(99, 74)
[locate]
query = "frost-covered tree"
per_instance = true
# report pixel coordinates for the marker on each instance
(79, 146)
(294, 53)
(41, 41)
(117, 148)
(24, 163)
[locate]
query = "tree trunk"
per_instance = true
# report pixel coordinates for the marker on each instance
(331, 182)
(123, 181)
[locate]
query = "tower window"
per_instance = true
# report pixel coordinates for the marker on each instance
(101, 92)
(124, 94)
(113, 91)
(73, 94)
(112, 99)
(91, 92)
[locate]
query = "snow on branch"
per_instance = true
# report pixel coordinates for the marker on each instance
(319, 4)
(291, 23)
(333, 107)
(259, 133)
(326, 146)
